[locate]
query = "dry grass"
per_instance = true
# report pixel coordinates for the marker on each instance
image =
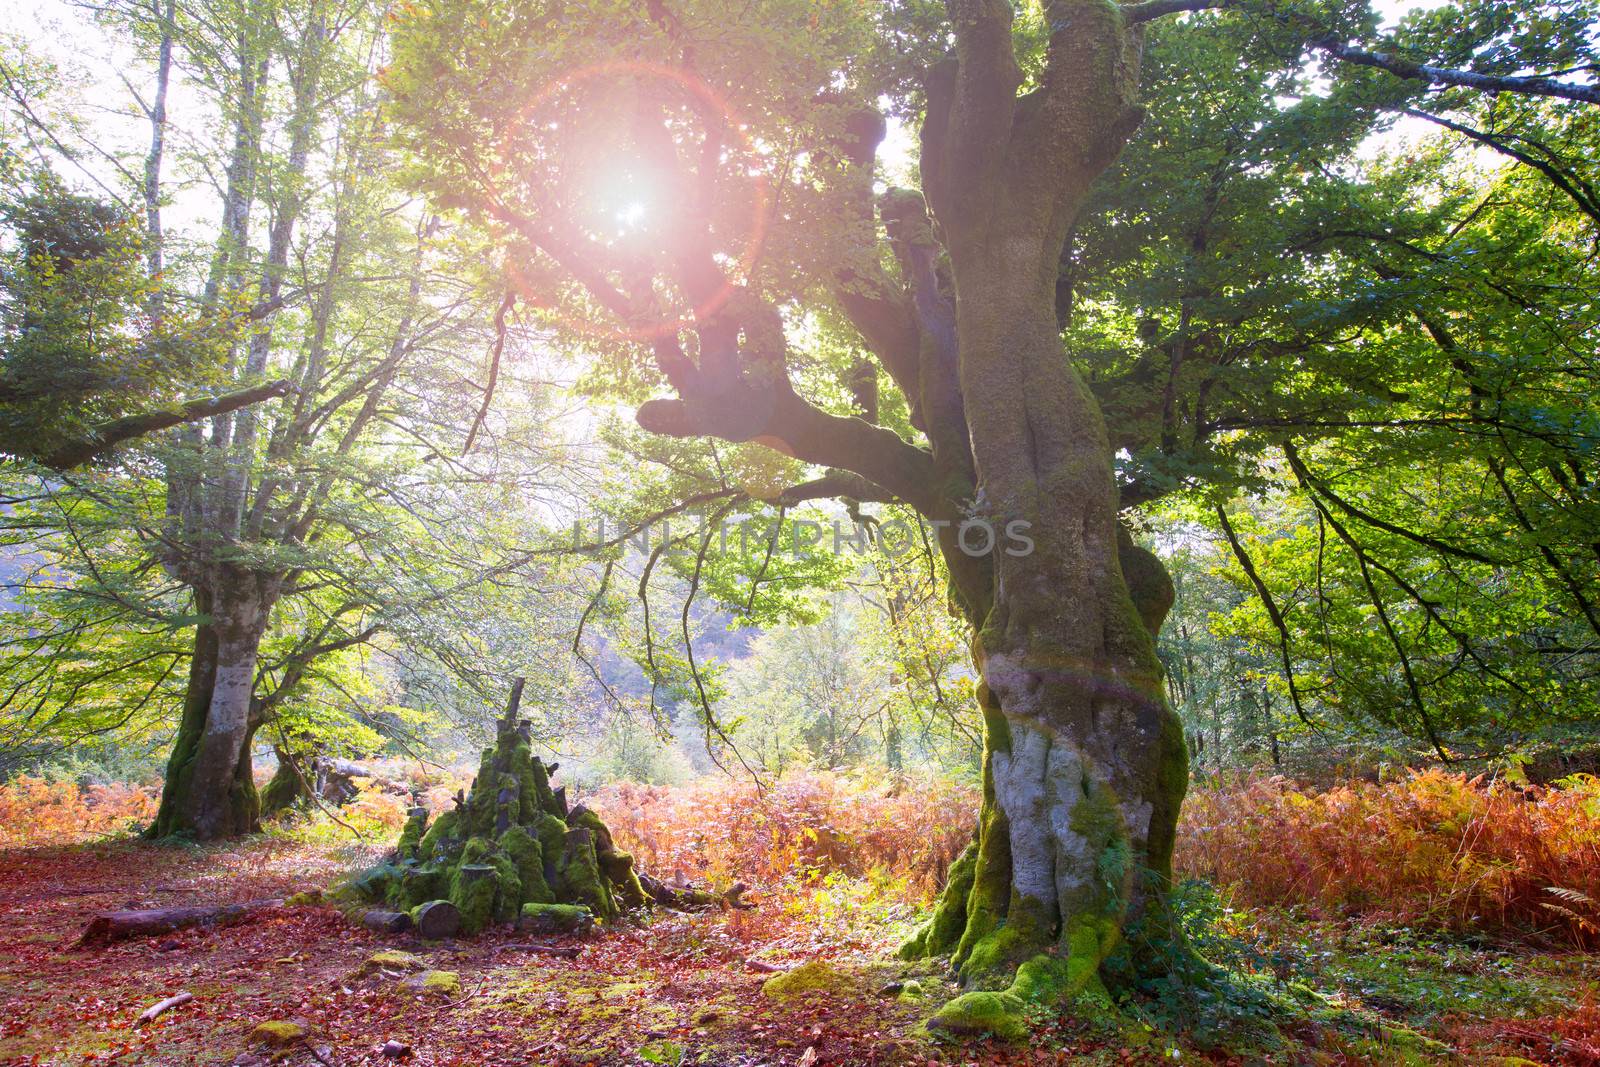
(1431, 849)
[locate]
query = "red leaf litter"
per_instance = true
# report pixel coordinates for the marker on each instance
(675, 990)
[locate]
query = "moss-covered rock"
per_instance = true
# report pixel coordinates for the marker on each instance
(436, 839)
(806, 978)
(526, 853)
(552, 834)
(278, 1033)
(392, 960)
(433, 984)
(578, 877)
(507, 843)
(473, 888)
(411, 835)
(369, 886)
(625, 887)
(418, 885)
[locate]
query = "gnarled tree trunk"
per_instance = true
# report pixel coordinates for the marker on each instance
(1084, 770)
(1085, 765)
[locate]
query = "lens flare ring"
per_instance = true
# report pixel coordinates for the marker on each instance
(761, 198)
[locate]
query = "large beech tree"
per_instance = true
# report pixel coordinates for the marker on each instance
(688, 191)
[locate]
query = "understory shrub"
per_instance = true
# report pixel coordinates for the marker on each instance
(36, 811)
(903, 830)
(1431, 849)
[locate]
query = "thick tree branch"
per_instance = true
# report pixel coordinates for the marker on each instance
(1133, 14)
(800, 429)
(1399, 66)
(972, 98)
(835, 484)
(108, 435)
(1529, 85)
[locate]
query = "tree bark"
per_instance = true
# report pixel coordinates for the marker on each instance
(1085, 765)
(286, 787)
(112, 926)
(209, 791)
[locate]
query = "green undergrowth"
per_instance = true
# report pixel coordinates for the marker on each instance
(1264, 986)
(1418, 976)
(1346, 989)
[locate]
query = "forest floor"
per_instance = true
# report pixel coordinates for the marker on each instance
(677, 990)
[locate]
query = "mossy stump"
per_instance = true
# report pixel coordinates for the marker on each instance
(511, 842)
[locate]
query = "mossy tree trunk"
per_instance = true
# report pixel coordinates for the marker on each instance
(286, 787)
(209, 791)
(1064, 890)
(1084, 765)
(1066, 885)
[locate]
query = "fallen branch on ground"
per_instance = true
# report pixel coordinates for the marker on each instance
(388, 922)
(151, 1013)
(108, 927)
(688, 898)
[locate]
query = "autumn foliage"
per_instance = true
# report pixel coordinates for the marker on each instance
(35, 811)
(1430, 849)
(904, 830)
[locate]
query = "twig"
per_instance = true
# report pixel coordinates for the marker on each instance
(159, 1007)
(506, 304)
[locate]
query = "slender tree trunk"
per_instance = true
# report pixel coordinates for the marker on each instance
(154, 252)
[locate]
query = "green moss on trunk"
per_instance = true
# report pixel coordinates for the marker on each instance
(284, 788)
(942, 932)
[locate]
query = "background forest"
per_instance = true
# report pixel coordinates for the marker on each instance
(309, 452)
